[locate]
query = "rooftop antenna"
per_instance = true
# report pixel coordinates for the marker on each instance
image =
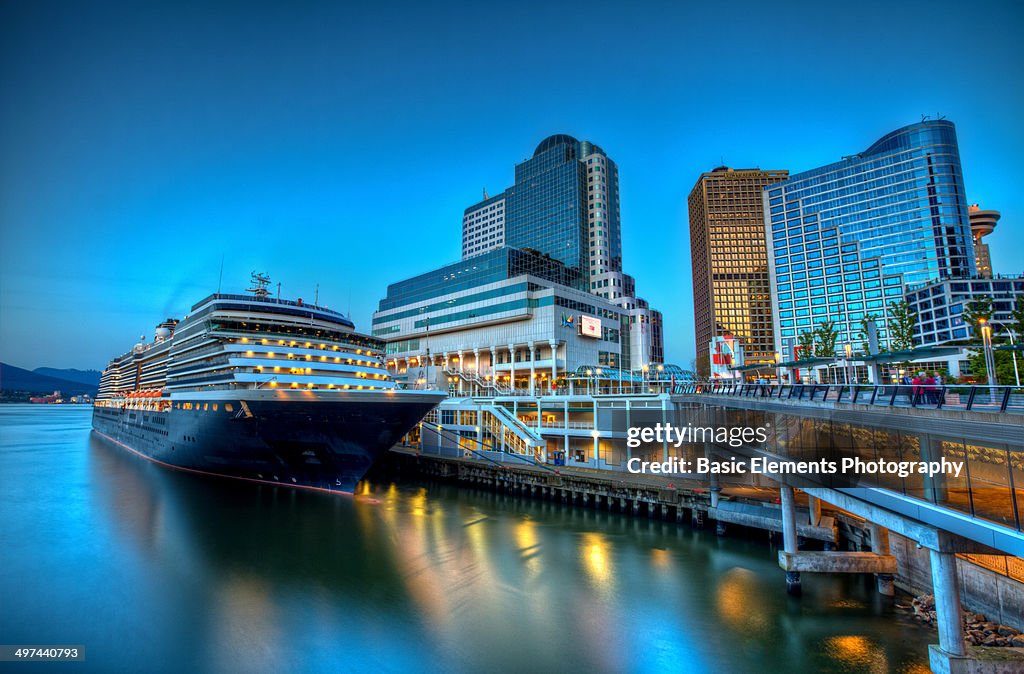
(220, 280)
(260, 282)
(316, 295)
(485, 194)
(278, 290)
(925, 118)
(939, 116)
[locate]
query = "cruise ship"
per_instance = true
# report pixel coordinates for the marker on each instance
(259, 388)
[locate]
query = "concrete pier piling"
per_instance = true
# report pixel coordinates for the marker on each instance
(789, 542)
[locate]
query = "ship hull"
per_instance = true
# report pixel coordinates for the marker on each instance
(297, 439)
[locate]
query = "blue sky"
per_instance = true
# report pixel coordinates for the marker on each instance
(334, 144)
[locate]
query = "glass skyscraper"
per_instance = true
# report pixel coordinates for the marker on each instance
(564, 204)
(844, 239)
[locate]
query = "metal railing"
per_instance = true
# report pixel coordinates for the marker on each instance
(955, 397)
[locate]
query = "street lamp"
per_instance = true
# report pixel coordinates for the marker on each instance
(590, 373)
(986, 342)
(1013, 341)
(597, 383)
(848, 348)
(1016, 372)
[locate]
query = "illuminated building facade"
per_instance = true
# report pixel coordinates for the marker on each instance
(731, 293)
(846, 238)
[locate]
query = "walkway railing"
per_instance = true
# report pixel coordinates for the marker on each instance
(956, 397)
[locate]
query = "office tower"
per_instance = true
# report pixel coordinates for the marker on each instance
(731, 294)
(982, 224)
(844, 239)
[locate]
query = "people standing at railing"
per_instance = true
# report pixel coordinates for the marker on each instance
(917, 388)
(940, 386)
(930, 393)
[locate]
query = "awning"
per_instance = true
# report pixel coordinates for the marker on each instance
(903, 356)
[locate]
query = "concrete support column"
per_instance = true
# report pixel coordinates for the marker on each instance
(533, 371)
(461, 368)
(813, 510)
(789, 537)
(491, 371)
(948, 613)
(512, 359)
(476, 367)
(886, 583)
(554, 362)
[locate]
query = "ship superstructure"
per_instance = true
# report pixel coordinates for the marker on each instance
(259, 387)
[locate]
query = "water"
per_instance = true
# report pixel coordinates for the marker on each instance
(156, 570)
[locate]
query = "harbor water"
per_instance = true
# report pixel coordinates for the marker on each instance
(157, 570)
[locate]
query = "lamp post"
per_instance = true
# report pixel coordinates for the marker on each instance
(1013, 341)
(1016, 372)
(848, 349)
(661, 369)
(590, 373)
(643, 378)
(597, 383)
(986, 342)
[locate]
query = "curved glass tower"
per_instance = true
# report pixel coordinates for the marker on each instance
(896, 210)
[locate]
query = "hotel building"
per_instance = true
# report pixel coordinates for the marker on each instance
(731, 292)
(846, 238)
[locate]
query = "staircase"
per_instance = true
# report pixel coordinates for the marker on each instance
(474, 378)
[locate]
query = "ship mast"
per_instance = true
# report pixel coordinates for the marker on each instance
(260, 282)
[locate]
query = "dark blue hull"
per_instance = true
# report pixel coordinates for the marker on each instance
(324, 444)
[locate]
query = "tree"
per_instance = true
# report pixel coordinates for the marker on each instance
(976, 312)
(1004, 366)
(825, 337)
(901, 325)
(865, 347)
(1017, 319)
(806, 344)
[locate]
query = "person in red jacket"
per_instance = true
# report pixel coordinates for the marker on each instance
(929, 389)
(918, 387)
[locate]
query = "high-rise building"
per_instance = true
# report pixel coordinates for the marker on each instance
(483, 226)
(565, 204)
(844, 239)
(517, 302)
(983, 223)
(731, 293)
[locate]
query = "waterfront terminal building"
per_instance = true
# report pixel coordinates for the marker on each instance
(506, 319)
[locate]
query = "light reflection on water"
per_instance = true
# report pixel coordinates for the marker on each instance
(156, 570)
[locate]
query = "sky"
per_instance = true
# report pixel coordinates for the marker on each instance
(337, 145)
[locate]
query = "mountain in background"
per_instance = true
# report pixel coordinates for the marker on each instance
(90, 377)
(26, 381)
